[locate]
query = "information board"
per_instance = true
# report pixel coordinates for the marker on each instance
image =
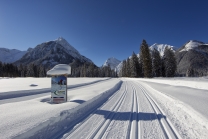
(59, 89)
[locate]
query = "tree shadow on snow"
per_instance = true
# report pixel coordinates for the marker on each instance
(124, 116)
(78, 101)
(46, 100)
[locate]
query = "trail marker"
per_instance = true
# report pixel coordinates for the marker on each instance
(59, 82)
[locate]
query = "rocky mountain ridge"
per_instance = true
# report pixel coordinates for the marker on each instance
(112, 62)
(10, 55)
(192, 59)
(51, 53)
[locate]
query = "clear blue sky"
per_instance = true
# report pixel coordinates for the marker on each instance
(100, 29)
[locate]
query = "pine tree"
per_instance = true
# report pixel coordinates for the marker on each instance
(1, 69)
(134, 65)
(156, 63)
(146, 61)
(91, 70)
(190, 72)
(30, 70)
(42, 71)
(124, 69)
(163, 68)
(169, 62)
(128, 71)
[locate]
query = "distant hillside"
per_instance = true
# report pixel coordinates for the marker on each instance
(10, 55)
(192, 59)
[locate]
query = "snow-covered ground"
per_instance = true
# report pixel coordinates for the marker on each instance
(105, 108)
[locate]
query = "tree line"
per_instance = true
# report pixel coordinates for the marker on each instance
(90, 70)
(31, 70)
(78, 70)
(149, 63)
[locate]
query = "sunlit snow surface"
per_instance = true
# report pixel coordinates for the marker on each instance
(29, 115)
(161, 48)
(192, 45)
(60, 69)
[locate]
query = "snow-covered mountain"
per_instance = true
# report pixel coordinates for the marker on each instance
(10, 55)
(192, 45)
(51, 53)
(161, 48)
(112, 62)
(119, 67)
(192, 59)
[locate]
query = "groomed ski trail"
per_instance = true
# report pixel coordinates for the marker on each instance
(129, 113)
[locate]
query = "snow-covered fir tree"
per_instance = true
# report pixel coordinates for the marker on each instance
(124, 69)
(134, 65)
(169, 62)
(156, 63)
(1, 69)
(128, 71)
(30, 70)
(146, 59)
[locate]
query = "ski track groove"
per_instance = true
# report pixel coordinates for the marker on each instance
(130, 113)
(95, 120)
(166, 125)
(119, 128)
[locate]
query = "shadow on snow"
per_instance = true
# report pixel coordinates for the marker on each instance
(124, 116)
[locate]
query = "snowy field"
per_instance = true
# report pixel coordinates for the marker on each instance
(105, 108)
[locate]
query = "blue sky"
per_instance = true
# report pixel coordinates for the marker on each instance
(100, 29)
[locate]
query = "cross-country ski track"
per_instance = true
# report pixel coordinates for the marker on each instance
(129, 113)
(122, 108)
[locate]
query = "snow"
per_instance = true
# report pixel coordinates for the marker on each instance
(21, 117)
(192, 82)
(119, 67)
(70, 49)
(161, 48)
(188, 121)
(112, 62)
(10, 55)
(60, 69)
(113, 108)
(191, 45)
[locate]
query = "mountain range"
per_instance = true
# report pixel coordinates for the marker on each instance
(10, 55)
(192, 57)
(52, 53)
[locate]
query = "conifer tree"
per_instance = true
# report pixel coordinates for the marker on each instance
(170, 63)
(42, 71)
(30, 70)
(124, 69)
(146, 59)
(128, 71)
(134, 65)
(1, 69)
(91, 70)
(163, 67)
(156, 63)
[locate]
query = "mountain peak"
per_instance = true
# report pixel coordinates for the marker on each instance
(192, 44)
(67, 46)
(112, 62)
(161, 48)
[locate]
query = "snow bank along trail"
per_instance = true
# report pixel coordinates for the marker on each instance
(38, 118)
(129, 113)
(188, 122)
